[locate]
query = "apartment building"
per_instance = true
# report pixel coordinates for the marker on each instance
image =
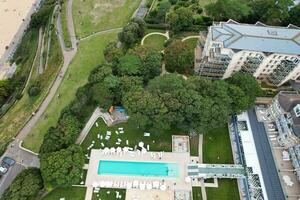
(271, 54)
(285, 111)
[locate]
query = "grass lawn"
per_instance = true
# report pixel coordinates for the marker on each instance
(88, 56)
(69, 193)
(96, 15)
(155, 41)
(227, 190)
(194, 145)
(64, 25)
(109, 194)
(217, 149)
(197, 195)
(14, 119)
(162, 140)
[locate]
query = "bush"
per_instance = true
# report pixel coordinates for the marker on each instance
(34, 89)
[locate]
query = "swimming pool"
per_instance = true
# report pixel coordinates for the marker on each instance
(128, 168)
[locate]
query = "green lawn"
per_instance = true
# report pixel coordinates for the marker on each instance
(96, 15)
(109, 194)
(217, 149)
(162, 140)
(194, 143)
(88, 56)
(64, 25)
(197, 195)
(227, 190)
(14, 119)
(69, 193)
(155, 41)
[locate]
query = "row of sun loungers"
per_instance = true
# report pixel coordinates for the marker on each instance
(142, 185)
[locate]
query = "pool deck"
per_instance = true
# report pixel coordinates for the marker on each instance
(172, 183)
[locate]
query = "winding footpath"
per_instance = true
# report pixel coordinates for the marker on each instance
(24, 158)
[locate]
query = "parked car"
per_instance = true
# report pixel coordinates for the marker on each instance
(8, 161)
(3, 169)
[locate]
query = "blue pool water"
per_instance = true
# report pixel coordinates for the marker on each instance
(138, 168)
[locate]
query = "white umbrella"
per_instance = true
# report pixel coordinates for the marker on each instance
(135, 183)
(144, 150)
(188, 179)
(109, 184)
(141, 144)
(149, 186)
(156, 184)
(129, 185)
(112, 150)
(142, 186)
(119, 149)
(163, 187)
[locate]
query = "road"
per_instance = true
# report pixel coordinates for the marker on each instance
(24, 158)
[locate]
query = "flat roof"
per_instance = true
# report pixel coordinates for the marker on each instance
(258, 37)
(266, 160)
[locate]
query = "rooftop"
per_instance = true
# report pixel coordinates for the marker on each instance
(258, 37)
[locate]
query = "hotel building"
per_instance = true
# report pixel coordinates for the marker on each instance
(271, 54)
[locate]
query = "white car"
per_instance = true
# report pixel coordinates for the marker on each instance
(3, 169)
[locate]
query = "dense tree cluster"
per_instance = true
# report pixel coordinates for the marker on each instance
(271, 12)
(179, 58)
(64, 167)
(196, 103)
(132, 32)
(25, 186)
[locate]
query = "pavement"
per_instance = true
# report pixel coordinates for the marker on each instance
(268, 167)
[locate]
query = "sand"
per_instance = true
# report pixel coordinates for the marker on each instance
(12, 14)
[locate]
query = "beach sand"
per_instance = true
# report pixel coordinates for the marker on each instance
(12, 14)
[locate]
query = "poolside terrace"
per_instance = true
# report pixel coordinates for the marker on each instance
(138, 182)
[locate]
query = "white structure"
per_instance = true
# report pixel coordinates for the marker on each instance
(271, 54)
(251, 159)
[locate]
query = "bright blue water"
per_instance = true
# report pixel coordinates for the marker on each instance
(138, 168)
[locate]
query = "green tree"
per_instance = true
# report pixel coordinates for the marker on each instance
(102, 95)
(294, 16)
(239, 100)
(64, 167)
(178, 58)
(25, 186)
(112, 53)
(52, 141)
(180, 19)
(100, 72)
(248, 84)
(151, 65)
(132, 32)
(228, 9)
(129, 65)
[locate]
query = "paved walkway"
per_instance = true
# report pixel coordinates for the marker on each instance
(166, 34)
(96, 115)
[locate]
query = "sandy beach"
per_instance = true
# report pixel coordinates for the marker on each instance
(12, 15)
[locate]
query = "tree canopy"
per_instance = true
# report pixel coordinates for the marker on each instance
(64, 167)
(179, 58)
(180, 19)
(132, 32)
(25, 186)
